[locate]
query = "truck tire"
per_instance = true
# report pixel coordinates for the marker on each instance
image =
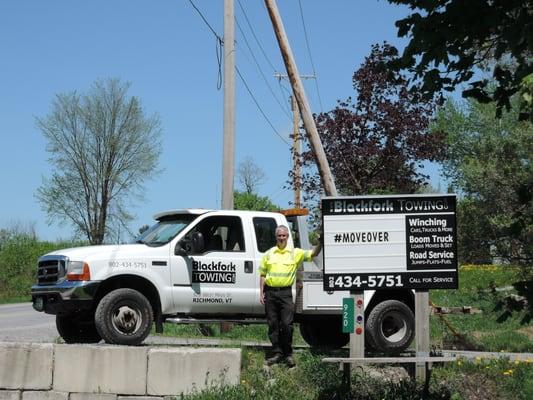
(390, 327)
(124, 316)
(324, 333)
(74, 328)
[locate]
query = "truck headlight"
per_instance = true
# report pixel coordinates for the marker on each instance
(78, 271)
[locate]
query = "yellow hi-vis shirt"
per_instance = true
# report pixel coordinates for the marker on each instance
(279, 266)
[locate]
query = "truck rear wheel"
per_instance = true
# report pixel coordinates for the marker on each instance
(124, 316)
(390, 327)
(77, 328)
(324, 333)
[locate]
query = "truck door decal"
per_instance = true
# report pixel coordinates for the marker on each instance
(213, 272)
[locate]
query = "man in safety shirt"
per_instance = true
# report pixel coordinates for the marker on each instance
(278, 272)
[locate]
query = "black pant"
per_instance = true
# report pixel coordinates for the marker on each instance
(279, 309)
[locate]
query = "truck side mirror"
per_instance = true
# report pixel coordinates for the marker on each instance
(193, 245)
(183, 247)
(198, 243)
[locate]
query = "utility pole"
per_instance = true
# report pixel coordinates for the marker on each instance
(297, 88)
(296, 147)
(228, 152)
(296, 153)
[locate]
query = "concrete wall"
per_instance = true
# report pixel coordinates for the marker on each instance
(79, 372)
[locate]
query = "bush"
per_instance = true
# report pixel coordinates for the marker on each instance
(18, 264)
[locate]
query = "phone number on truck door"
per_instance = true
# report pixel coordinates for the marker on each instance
(367, 281)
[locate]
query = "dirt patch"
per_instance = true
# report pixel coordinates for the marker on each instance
(527, 331)
(386, 373)
(477, 387)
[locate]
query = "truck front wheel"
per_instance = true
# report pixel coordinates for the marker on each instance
(77, 328)
(324, 333)
(124, 316)
(390, 327)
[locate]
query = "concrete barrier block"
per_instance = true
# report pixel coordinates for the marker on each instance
(9, 395)
(44, 395)
(92, 396)
(141, 398)
(26, 365)
(184, 370)
(100, 369)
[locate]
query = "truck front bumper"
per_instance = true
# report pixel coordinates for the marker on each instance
(64, 297)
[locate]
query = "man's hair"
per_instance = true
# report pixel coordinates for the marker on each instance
(282, 227)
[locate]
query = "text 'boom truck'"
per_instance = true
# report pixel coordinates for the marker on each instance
(202, 265)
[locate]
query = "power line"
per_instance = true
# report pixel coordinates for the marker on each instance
(255, 37)
(281, 190)
(261, 71)
(220, 43)
(310, 56)
(239, 73)
(259, 107)
(207, 22)
(285, 109)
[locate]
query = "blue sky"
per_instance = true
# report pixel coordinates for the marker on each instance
(169, 55)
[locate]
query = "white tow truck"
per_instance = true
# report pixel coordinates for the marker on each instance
(202, 266)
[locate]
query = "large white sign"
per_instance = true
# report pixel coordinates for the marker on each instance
(380, 242)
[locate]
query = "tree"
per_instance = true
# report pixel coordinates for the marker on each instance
(252, 201)
(250, 175)
(378, 142)
(101, 147)
(489, 162)
(449, 39)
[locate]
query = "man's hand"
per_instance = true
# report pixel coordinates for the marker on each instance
(262, 298)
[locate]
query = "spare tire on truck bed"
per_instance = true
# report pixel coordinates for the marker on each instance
(390, 327)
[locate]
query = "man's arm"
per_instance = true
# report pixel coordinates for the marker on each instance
(317, 248)
(262, 274)
(262, 290)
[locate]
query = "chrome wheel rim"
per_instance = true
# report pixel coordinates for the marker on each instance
(126, 320)
(394, 327)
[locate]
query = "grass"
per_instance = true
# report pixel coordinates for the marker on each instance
(313, 379)
(500, 327)
(244, 333)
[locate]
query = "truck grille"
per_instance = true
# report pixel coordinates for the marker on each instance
(50, 271)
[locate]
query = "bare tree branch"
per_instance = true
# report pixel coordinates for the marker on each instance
(102, 147)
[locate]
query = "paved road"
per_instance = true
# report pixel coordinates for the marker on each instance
(21, 323)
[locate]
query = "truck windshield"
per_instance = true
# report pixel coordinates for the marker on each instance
(165, 230)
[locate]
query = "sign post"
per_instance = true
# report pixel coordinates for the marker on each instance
(357, 337)
(422, 330)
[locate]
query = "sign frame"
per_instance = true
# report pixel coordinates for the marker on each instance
(390, 242)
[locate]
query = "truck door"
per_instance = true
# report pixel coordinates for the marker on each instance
(220, 277)
(265, 238)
